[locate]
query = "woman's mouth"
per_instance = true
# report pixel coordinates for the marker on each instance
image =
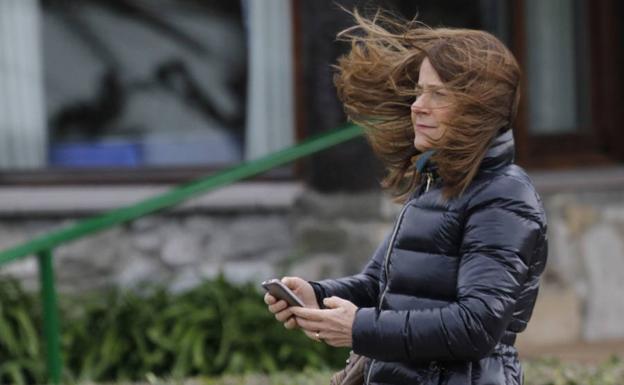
(420, 126)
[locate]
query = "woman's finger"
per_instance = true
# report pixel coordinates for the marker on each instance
(331, 339)
(283, 316)
(313, 326)
(309, 334)
(278, 306)
(311, 314)
(291, 323)
(269, 299)
(313, 336)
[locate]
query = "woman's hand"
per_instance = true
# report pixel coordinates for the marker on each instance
(332, 325)
(280, 308)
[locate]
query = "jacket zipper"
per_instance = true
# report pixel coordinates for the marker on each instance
(387, 258)
(429, 180)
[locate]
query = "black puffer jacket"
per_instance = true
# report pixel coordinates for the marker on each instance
(445, 294)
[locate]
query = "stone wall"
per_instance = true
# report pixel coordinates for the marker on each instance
(314, 236)
(177, 250)
(581, 295)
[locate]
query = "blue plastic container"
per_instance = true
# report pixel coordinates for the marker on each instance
(96, 154)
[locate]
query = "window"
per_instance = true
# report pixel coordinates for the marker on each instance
(566, 50)
(96, 89)
(557, 67)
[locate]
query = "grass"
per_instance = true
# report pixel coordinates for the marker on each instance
(550, 371)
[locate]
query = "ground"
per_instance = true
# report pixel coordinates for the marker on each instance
(585, 352)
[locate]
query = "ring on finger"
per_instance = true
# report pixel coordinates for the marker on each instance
(318, 336)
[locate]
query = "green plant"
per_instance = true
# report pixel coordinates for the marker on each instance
(212, 329)
(20, 349)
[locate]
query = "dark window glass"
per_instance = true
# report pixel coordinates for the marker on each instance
(557, 67)
(144, 83)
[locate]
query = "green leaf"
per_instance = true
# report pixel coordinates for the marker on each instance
(27, 332)
(13, 372)
(7, 334)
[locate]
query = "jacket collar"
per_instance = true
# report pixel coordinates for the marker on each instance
(424, 164)
(500, 153)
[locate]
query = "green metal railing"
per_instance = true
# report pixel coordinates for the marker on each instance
(43, 246)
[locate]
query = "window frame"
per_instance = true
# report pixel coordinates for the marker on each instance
(598, 144)
(123, 176)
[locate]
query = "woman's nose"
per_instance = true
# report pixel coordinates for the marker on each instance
(419, 105)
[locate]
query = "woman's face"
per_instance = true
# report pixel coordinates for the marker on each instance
(431, 108)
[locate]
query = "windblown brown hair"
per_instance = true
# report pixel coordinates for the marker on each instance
(376, 82)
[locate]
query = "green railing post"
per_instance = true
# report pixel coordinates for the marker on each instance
(51, 327)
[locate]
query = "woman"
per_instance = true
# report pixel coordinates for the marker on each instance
(446, 293)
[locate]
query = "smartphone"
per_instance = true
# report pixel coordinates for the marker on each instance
(277, 289)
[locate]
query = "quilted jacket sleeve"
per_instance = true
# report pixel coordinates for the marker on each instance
(361, 289)
(504, 225)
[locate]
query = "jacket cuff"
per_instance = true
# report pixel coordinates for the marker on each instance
(363, 332)
(319, 293)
